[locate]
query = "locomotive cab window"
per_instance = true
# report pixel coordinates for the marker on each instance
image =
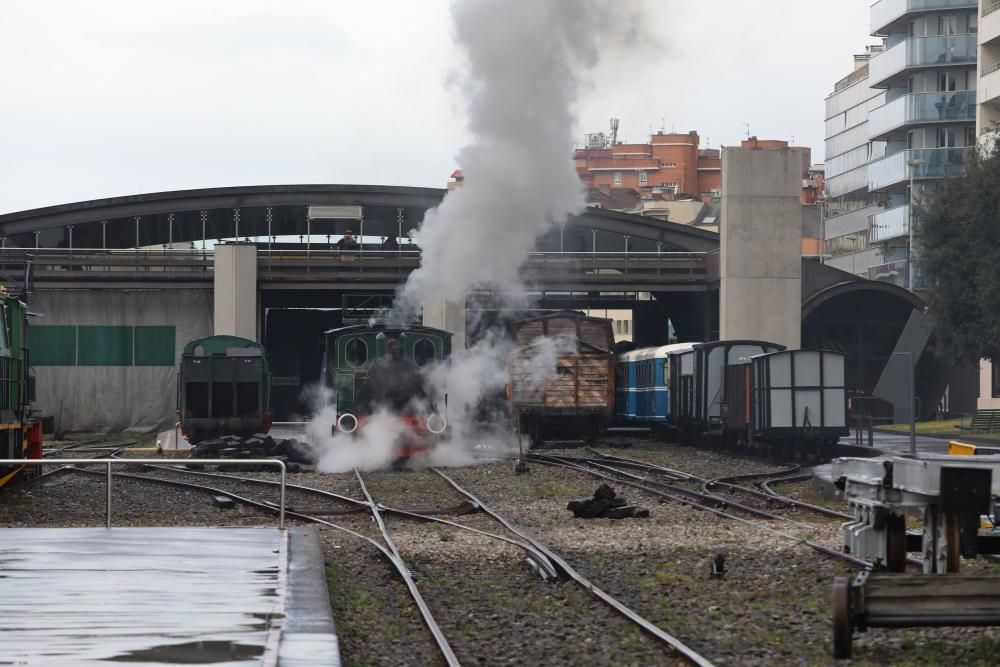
(423, 352)
(356, 353)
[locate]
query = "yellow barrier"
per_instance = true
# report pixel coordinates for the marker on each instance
(956, 448)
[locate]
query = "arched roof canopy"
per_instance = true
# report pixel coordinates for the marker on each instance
(186, 204)
(817, 299)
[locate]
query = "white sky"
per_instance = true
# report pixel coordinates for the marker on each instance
(117, 97)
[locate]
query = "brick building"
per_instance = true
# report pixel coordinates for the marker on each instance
(671, 164)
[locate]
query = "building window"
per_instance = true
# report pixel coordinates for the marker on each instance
(618, 178)
(670, 187)
(643, 178)
(946, 137)
(668, 165)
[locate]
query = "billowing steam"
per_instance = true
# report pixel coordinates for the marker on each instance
(525, 63)
(526, 60)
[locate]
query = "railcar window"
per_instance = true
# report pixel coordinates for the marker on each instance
(423, 352)
(247, 401)
(222, 399)
(356, 353)
(196, 400)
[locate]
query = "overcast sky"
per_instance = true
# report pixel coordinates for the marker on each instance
(104, 98)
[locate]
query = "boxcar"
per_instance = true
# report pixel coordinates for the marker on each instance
(578, 398)
(223, 388)
(20, 436)
(642, 385)
(364, 378)
(794, 400)
(698, 379)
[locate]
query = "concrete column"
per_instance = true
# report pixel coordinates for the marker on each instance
(450, 316)
(236, 290)
(760, 296)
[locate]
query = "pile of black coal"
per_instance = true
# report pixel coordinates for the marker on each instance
(257, 446)
(605, 504)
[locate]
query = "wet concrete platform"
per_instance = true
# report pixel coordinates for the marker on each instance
(226, 597)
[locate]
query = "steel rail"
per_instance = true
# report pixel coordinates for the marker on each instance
(813, 545)
(819, 509)
(693, 495)
(651, 466)
(442, 641)
(544, 566)
(676, 644)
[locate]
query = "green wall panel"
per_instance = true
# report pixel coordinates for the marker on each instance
(104, 346)
(155, 346)
(52, 345)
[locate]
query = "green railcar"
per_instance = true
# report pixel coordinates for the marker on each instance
(19, 436)
(351, 351)
(223, 388)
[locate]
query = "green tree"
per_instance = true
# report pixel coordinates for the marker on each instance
(958, 252)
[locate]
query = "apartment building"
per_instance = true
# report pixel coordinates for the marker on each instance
(904, 119)
(987, 117)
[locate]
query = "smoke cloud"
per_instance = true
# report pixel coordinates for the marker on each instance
(526, 63)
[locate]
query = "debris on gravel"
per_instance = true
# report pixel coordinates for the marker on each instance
(607, 504)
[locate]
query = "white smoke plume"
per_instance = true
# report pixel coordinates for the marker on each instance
(526, 63)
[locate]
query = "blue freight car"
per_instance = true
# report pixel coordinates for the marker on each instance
(643, 384)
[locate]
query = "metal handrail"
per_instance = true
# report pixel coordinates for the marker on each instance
(108, 462)
(183, 252)
(989, 9)
(989, 69)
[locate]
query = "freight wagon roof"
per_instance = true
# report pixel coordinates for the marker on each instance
(720, 343)
(360, 328)
(780, 352)
(661, 352)
(216, 345)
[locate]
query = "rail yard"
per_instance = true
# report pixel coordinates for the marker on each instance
(725, 570)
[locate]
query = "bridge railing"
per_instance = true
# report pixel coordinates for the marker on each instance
(165, 264)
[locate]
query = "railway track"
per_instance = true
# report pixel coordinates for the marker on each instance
(548, 564)
(690, 498)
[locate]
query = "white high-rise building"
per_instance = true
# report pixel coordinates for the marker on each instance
(906, 118)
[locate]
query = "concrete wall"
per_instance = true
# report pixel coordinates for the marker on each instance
(760, 258)
(450, 316)
(236, 291)
(138, 399)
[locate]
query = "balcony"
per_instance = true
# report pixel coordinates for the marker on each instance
(989, 24)
(894, 273)
(921, 52)
(989, 83)
(936, 108)
(887, 12)
(937, 163)
(890, 224)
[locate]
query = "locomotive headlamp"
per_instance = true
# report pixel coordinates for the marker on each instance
(347, 423)
(436, 424)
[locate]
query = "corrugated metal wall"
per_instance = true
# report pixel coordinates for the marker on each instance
(106, 360)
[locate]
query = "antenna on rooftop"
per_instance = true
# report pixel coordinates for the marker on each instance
(748, 129)
(614, 131)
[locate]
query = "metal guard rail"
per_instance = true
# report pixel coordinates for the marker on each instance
(109, 462)
(989, 9)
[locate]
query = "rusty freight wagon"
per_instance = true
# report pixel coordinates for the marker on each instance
(561, 376)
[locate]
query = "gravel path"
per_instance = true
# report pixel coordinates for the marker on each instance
(771, 608)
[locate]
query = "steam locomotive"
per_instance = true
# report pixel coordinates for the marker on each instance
(378, 367)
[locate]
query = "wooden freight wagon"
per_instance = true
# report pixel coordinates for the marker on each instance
(562, 376)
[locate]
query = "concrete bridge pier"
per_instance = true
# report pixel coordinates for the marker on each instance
(450, 316)
(760, 256)
(235, 289)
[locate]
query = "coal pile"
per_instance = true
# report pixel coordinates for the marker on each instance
(605, 504)
(257, 446)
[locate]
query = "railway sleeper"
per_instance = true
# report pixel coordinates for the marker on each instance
(887, 600)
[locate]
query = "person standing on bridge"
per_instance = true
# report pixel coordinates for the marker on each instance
(347, 241)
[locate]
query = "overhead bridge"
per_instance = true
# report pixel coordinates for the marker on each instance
(60, 268)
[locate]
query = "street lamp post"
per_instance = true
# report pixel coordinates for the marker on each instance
(913, 163)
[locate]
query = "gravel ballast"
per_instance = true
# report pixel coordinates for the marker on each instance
(772, 607)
